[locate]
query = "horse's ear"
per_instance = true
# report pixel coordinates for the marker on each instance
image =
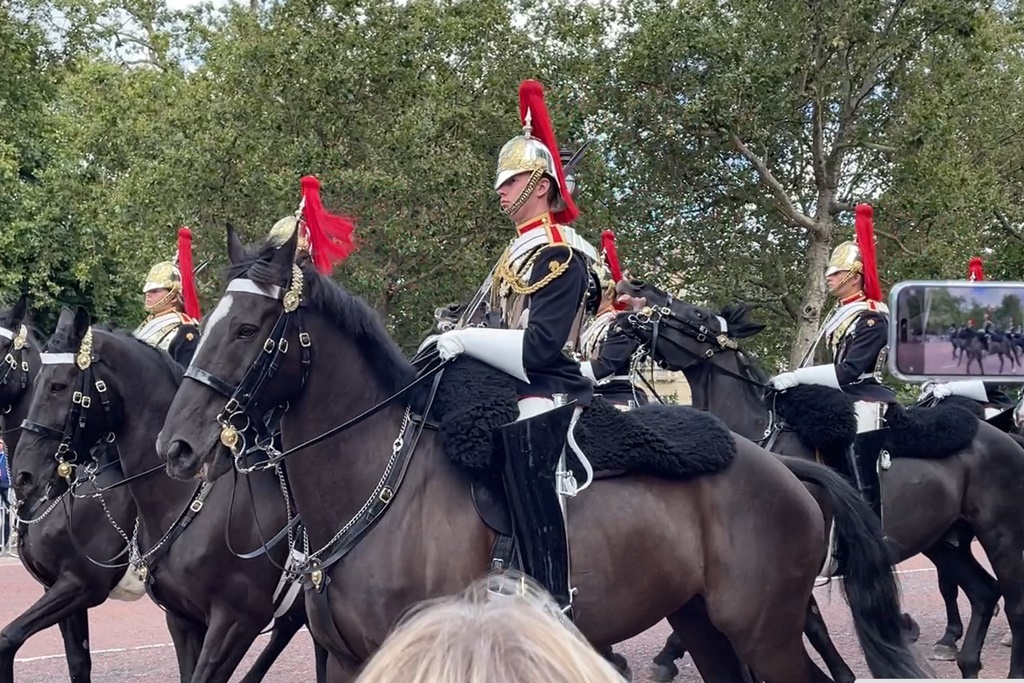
(745, 330)
(285, 254)
(236, 252)
(82, 322)
(19, 310)
(67, 316)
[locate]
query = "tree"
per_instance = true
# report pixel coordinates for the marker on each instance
(736, 127)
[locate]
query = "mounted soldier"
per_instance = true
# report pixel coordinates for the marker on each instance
(539, 291)
(172, 304)
(608, 354)
(975, 389)
(856, 336)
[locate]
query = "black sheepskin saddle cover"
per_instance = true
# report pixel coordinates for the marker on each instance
(678, 442)
(823, 418)
(929, 433)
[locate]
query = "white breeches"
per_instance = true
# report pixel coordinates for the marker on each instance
(533, 406)
(869, 415)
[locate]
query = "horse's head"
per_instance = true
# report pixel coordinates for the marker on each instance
(76, 407)
(680, 334)
(17, 350)
(253, 357)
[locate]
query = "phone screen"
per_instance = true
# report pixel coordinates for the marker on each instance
(955, 330)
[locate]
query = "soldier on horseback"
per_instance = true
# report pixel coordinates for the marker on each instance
(856, 335)
(172, 304)
(987, 329)
(975, 389)
(539, 288)
(607, 353)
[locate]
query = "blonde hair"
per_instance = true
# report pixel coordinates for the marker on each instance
(517, 636)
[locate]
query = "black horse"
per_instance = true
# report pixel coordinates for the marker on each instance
(60, 562)
(103, 387)
(943, 473)
(328, 355)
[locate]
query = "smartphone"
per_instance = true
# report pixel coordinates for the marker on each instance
(957, 329)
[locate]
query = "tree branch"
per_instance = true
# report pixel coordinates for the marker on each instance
(1004, 223)
(786, 204)
(897, 240)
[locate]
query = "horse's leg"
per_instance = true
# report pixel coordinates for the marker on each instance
(188, 640)
(322, 657)
(945, 647)
(817, 634)
(664, 667)
(712, 653)
(983, 592)
(282, 634)
(618, 662)
(75, 632)
(68, 596)
(1008, 564)
(228, 638)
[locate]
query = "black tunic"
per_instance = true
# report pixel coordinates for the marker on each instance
(183, 346)
(552, 311)
(858, 352)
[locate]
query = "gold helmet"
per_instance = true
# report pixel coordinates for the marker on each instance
(845, 257)
(168, 275)
(285, 228)
(163, 275)
(324, 237)
(536, 154)
(858, 257)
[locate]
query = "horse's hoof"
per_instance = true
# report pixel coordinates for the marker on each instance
(664, 673)
(1007, 640)
(943, 653)
(910, 628)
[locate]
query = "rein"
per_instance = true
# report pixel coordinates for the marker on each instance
(243, 402)
(652, 319)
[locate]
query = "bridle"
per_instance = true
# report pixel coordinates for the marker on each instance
(15, 360)
(243, 403)
(72, 439)
(662, 323)
(243, 418)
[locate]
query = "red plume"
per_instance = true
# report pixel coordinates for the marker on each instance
(865, 230)
(531, 98)
(611, 257)
(188, 280)
(974, 270)
(330, 236)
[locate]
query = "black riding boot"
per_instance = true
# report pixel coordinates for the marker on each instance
(531, 450)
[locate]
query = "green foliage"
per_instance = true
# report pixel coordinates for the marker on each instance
(729, 146)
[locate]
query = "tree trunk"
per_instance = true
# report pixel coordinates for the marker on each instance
(814, 296)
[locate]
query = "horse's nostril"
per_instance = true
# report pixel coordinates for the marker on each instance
(23, 479)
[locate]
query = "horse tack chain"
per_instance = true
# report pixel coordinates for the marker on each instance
(380, 493)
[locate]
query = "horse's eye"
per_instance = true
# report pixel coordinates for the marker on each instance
(57, 387)
(699, 314)
(247, 331)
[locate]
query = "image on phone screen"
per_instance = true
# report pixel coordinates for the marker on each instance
(958, 329)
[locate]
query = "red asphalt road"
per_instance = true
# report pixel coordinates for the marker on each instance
(938, 360)
(129, 641)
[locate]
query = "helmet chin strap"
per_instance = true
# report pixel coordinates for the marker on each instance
(166, 302)
(850, 274)
(525, 195)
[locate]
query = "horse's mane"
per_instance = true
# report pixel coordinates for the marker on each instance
(61, 342)
(349, 312)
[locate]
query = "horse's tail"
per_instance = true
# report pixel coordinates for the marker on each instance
(865, 564)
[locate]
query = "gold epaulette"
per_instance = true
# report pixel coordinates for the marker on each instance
(505, 277)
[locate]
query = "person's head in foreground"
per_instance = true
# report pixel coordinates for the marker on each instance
(479, 637)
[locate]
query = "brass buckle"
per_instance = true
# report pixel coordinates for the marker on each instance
(196, 506)
(304, 340)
